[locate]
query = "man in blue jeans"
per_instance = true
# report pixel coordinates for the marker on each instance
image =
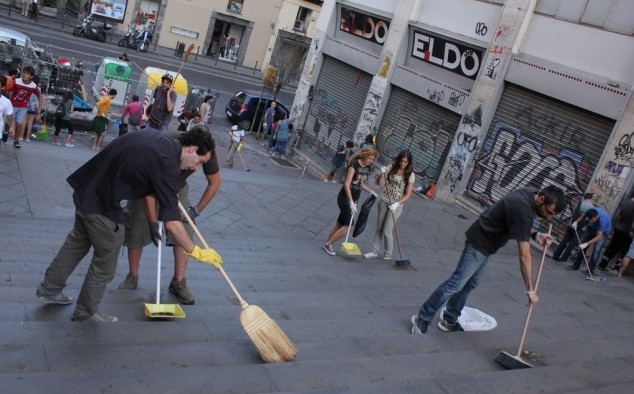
(599, 225)
(509, 218)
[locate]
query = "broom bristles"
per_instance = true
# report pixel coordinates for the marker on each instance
(269, 339)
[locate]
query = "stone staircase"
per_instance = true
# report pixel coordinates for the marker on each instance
(349, 317)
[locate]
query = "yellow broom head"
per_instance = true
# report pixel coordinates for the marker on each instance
(271, 342)
(350, 249)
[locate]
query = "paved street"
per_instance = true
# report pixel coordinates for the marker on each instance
(348, 316)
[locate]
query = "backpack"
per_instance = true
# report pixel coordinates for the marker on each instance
(61, 110)
(135, 119)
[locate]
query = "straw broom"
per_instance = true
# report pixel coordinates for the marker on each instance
(267, 336)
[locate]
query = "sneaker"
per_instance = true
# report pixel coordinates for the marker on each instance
(333, 181)
(5, 137)
(59, 298)
(16, 144)
(370, 255)
(284, 157)
(60, 144)
(419, 326)
(326, 180)
(130, 282)
(387, 257)
(273, 155)
(69, 145)
(182, 292)
(572, 268)
(328, 249)
(101, 318)
(445, 326)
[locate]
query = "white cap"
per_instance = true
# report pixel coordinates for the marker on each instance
(234, 127)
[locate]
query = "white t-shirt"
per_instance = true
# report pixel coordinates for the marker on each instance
(237, 135)
(395, 187)
(6, 109)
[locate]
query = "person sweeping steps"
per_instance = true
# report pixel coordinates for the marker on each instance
(398, 189)
(356, 174)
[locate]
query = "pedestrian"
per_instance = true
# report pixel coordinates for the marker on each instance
(627, 259)
(368, 141)
(23, 88)
(137, 234)
(570, 241)
(205, 109)
(599, 226)
(356, 176)
(511, 217)
(6, 111)
(184, 118)
(237, 136)
(160, 112)
(26, 4)
(196, 120)
(124, 57)
(100, 121)
(141, 164)
(281, 130)
(621, 240)
(32, 114)
(338, 159)
(398, 189)
(269, 119)
(62, 118)
(132, 114)
(34, 10)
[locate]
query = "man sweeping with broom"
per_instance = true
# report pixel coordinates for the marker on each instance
(509, 218)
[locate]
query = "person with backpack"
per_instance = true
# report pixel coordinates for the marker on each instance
(62, 118)
(134, 113)
(280, 135)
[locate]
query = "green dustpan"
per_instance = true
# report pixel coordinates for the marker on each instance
(158, 310)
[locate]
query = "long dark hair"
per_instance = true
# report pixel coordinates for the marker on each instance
(404, 154)
(68, 96)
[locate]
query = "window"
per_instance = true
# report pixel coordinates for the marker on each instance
(235, 6)
(302, 19)
(614, 15)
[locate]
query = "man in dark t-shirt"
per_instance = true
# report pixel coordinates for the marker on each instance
(137, 234)
(133, 166)
(509, 218)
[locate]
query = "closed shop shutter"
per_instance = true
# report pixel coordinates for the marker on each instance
(426, 129)
(534, 141)
(335, 108)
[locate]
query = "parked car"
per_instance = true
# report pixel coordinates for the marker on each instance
(242, 107)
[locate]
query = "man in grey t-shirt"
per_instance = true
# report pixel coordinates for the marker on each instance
(163, 105)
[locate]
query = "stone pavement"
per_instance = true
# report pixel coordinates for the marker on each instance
(348, 316)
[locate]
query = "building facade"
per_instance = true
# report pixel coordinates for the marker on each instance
(489, 96)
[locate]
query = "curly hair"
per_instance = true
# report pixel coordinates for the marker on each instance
(364, 153)
(199, 136)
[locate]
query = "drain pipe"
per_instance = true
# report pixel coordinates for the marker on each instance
(521, 34)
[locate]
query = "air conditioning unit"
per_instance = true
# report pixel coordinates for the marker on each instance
(235, 7)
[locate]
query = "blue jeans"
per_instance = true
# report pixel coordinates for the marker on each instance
(457, 288)
(280, 146)
(596, 252)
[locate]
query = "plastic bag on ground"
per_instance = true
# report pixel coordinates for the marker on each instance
(473, 319)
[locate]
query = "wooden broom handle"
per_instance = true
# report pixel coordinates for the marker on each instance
(243, 303)
(530, 307)
(185, 56)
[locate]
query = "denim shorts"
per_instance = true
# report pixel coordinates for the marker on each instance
(19, 115)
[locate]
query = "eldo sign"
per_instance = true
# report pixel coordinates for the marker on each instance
(362, 25)
(455, 57)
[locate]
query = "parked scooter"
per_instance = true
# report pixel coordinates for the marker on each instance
(129, 40)
(89, 31)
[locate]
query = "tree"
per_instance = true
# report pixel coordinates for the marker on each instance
(288, 58)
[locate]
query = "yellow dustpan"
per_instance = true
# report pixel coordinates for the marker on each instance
(348, 247)
(158, 310)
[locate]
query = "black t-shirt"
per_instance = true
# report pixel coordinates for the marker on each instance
(509, 218)
(626, 215)
(130, 167)
(360, 174)
(209, 168)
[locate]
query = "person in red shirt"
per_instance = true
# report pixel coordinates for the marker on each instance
(23, 88)
(134, 112)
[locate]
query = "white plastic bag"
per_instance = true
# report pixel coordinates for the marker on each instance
(473, 319)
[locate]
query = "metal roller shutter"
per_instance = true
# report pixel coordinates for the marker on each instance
(426, 129)
(335, 108)
(535, 140)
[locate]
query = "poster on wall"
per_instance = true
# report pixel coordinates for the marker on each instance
(110, 9)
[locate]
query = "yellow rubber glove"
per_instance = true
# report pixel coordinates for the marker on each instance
(239, 148)
(208, 256)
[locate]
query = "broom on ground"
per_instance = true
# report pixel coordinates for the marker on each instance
(269, 339)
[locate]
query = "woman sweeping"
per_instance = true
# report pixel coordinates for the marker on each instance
(356, 175)
(398, 189)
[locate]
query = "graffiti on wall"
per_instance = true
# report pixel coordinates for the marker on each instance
(428, 141)
(368, 115)
(509, 161)
(610, 180)
(464, 148)
(496, 51)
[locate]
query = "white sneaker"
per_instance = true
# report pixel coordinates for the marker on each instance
(326, 180)
(370, 255)
(69, 145)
